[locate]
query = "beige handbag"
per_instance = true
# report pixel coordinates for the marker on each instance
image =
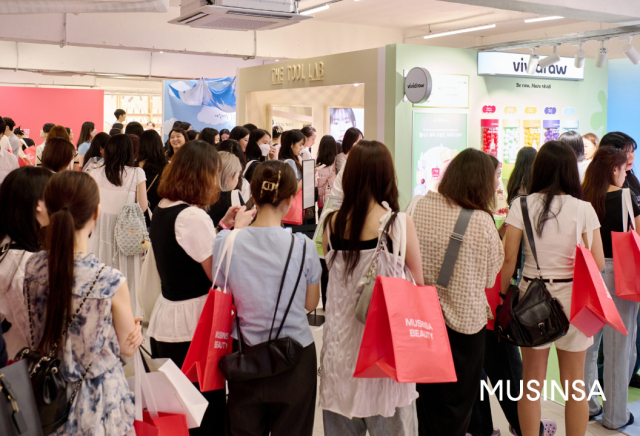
(150, 286)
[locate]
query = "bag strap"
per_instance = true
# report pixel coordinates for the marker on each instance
(529, 230)
(73, 317)
(295, 288)
(154, 180)
(453, 249)
(227, 250)
(284, 275)
(627, 210)
(385, 233)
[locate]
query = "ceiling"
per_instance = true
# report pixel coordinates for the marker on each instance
(411, 14)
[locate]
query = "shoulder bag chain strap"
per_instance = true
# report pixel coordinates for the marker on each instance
(64, 333)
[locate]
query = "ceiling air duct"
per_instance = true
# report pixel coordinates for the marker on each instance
(238, 14)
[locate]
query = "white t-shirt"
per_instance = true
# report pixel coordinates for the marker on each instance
(194, 231)
(8, 163)
(556, 249)
(582, 168)
(5, 144)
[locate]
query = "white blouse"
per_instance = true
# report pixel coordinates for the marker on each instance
(176, 321)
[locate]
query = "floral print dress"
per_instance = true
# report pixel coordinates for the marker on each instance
(104, 404)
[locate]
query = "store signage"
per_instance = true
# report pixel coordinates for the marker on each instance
(312, 72)
(417, 85)
(515, 64)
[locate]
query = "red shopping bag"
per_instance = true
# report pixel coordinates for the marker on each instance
(211, 340)
(493, 298)
(405, 337)
(295, 214)
(626, 263)
(166, 424)
(591, 304)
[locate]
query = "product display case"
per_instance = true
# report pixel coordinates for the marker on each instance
(510, 140)
(531, 133)
(490, 136)
(570, 125)
(551, 130)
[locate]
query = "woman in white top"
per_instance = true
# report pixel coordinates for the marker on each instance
(182, 236)
(120, 183)
(351, 406)
(557, 214)
(21, 223)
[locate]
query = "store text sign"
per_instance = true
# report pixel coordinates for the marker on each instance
(515, 64)
(312, 72)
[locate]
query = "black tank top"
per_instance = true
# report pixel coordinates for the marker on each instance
(182, 277)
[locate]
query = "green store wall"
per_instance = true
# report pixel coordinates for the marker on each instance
(588, 97)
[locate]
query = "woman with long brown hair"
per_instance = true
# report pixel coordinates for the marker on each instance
(182, 239)
(64, 284)
(351, 235)
(58, 155)
(602, 186)
(469, 183)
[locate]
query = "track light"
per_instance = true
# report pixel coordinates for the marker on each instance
(601, 58)
(578, 62)
(533, 62)
(550, 60)
(631, 52)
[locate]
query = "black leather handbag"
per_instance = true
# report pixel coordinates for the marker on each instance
(270, 358)
(18, 410)
(535, 319)
(48, 384)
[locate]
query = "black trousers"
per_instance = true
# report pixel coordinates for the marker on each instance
(283, 405)
(445, 408)
(213, 422)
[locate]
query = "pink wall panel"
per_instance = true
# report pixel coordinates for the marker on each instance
(31, 108)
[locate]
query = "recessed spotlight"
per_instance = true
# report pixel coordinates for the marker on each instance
(277, 60)
(536, 20)
(161, 52)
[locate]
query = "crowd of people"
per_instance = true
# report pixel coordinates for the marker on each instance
(65, 256)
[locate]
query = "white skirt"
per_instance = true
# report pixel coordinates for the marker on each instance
(175, 321)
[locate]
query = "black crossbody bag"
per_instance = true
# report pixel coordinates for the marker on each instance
(535, 319)
(270, 358)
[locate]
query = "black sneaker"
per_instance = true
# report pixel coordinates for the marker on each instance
(635, 381)
(599, 412)
(631, 420)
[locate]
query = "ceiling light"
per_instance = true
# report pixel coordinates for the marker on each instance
(550, 60)
(454, 32)
(314, 10)
(533, 62)
(535, 20)
(578, 62)
(277, 60)
(631, 52)
(601, 58)
(161, 52)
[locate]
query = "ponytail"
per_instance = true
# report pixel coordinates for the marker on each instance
(72, 200)
(60, 240)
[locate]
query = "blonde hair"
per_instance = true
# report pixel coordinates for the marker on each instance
(229, 166)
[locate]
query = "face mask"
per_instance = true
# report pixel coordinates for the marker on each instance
(265, 148)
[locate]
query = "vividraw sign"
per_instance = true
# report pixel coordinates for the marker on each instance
(515, 64)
